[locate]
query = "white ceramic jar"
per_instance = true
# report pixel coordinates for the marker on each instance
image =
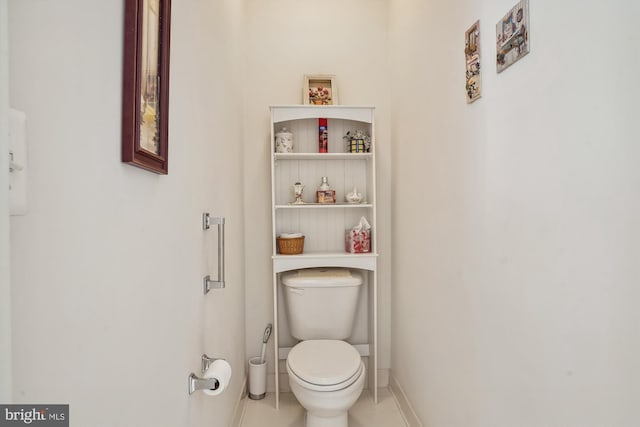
(284, 141)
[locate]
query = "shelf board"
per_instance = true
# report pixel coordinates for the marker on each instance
(322, 156)
(325, 206)
(324, 259)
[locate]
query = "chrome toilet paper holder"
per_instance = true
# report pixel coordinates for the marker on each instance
(196, 383)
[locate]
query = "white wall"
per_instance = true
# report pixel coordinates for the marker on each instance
(108, 310)
(286, 39)
(516, 246)
(514, 234)
(5, 293)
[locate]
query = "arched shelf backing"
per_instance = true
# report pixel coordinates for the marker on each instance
(285, 113)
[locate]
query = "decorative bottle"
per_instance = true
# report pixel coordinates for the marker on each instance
(325, 194)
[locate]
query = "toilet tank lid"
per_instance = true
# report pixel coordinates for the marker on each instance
(321, 277)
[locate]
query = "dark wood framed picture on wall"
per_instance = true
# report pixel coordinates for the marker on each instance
(145, 87)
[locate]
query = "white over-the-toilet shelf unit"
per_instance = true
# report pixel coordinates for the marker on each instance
(324, 225)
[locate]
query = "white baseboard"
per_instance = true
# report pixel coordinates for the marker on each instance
(241, 404)
(409, 415)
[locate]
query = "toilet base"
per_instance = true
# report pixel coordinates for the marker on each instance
(341, 420)
(327, 408)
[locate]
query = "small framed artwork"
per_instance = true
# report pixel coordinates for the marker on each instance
(320, 89)
(512, 36)
(472, 56)
(145, 87)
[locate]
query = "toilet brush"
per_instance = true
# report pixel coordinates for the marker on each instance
(265, 338)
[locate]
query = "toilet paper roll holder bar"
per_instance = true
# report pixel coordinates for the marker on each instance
(196, 383)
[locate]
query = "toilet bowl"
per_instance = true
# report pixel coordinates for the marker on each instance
(326, 377)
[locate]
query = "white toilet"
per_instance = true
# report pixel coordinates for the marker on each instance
(326, 374)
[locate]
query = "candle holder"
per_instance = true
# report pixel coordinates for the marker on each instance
(297, 192)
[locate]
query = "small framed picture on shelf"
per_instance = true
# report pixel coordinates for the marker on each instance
(320, 89)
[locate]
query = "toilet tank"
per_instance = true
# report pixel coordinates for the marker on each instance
(321, 303)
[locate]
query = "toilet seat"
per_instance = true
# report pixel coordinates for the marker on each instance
(324, 365)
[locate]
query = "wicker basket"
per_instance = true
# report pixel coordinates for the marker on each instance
(290, 246)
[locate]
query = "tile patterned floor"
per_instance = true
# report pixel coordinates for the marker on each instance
(262, 413)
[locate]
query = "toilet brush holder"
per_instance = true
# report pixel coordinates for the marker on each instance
(257, 378)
